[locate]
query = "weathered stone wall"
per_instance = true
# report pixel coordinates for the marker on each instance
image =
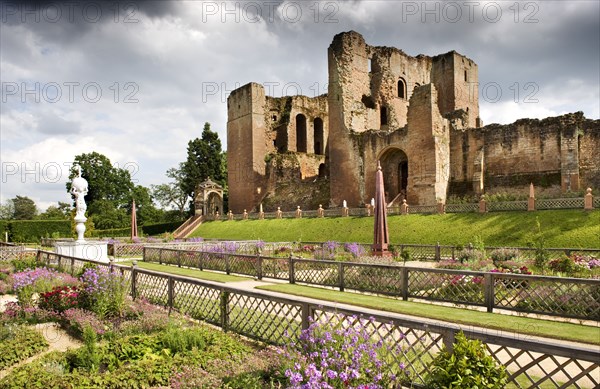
(418, 115)
(288, 186)
(551, 153)
(589, 154)
(260, 127)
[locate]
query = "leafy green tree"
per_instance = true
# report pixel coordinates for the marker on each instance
(110, 190)
(172, 194)
(53, 212)
(105, 215)
(146, 212)
(106, 182)
(204, 159)
(24, 208)
(7, 210)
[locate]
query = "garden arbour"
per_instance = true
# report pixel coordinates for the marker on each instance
(274, 319)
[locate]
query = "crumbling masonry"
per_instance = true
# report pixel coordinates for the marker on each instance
(418, 115)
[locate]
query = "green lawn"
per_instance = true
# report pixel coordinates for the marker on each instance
(514, 324)
(182, 271)
(562, 228)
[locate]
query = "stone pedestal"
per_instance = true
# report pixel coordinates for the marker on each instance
(95, 251)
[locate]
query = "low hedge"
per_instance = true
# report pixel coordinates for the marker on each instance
(150, 229)
(21, 231)
(160, 228)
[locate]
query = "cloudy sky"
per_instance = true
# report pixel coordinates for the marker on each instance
(137, 80)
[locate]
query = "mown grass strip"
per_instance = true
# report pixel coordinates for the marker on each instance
(562, 228)
(508, 323)
(182, 271)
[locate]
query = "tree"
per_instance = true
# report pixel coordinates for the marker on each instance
(146, 212)
(24, 208)
(53, 212)
(172, 194)
(110, 190)
(106, 182)
(204, 160)
(7, 210)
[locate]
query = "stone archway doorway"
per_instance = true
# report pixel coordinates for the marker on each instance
(394, 164)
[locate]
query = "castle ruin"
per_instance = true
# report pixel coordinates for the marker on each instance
(418, 115)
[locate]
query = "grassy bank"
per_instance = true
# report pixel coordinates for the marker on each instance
(562, 228)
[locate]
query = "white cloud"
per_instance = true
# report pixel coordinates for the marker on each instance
(181, 63)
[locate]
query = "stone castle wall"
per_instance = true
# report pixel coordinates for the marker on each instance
(418, 115)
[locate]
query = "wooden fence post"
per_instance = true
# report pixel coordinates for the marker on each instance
(404, 282)
(438, 254)
(306, 314)
(259, 263)
(291, 270)
(133, 279)
(179, 258)
(341, 276)
(488, 291)
(224, 308)
(449, 335)
(227, 265)
(170, 293)
(72, 272)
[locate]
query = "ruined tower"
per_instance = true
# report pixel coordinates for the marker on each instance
(418, 116)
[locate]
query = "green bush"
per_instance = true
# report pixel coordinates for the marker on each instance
(161, 228)
(32, 230)
(467, 366)
(18, 343)
(3, 228)
(26, 262)
(503, 255)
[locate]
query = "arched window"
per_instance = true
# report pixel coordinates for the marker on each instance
(402, 88)
(318, 137)
(301, 133)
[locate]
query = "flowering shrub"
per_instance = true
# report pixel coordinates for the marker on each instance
(329, 249)
(462, 288)
(504, 254)
(470, 255)
(141, 316)
(77, 319)
(573, 264)
(60, 298)
(15, 312)
(355, 249)
(38, 280)
(333, 354)
(260, 245)
(103, 292)
(593, 263)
